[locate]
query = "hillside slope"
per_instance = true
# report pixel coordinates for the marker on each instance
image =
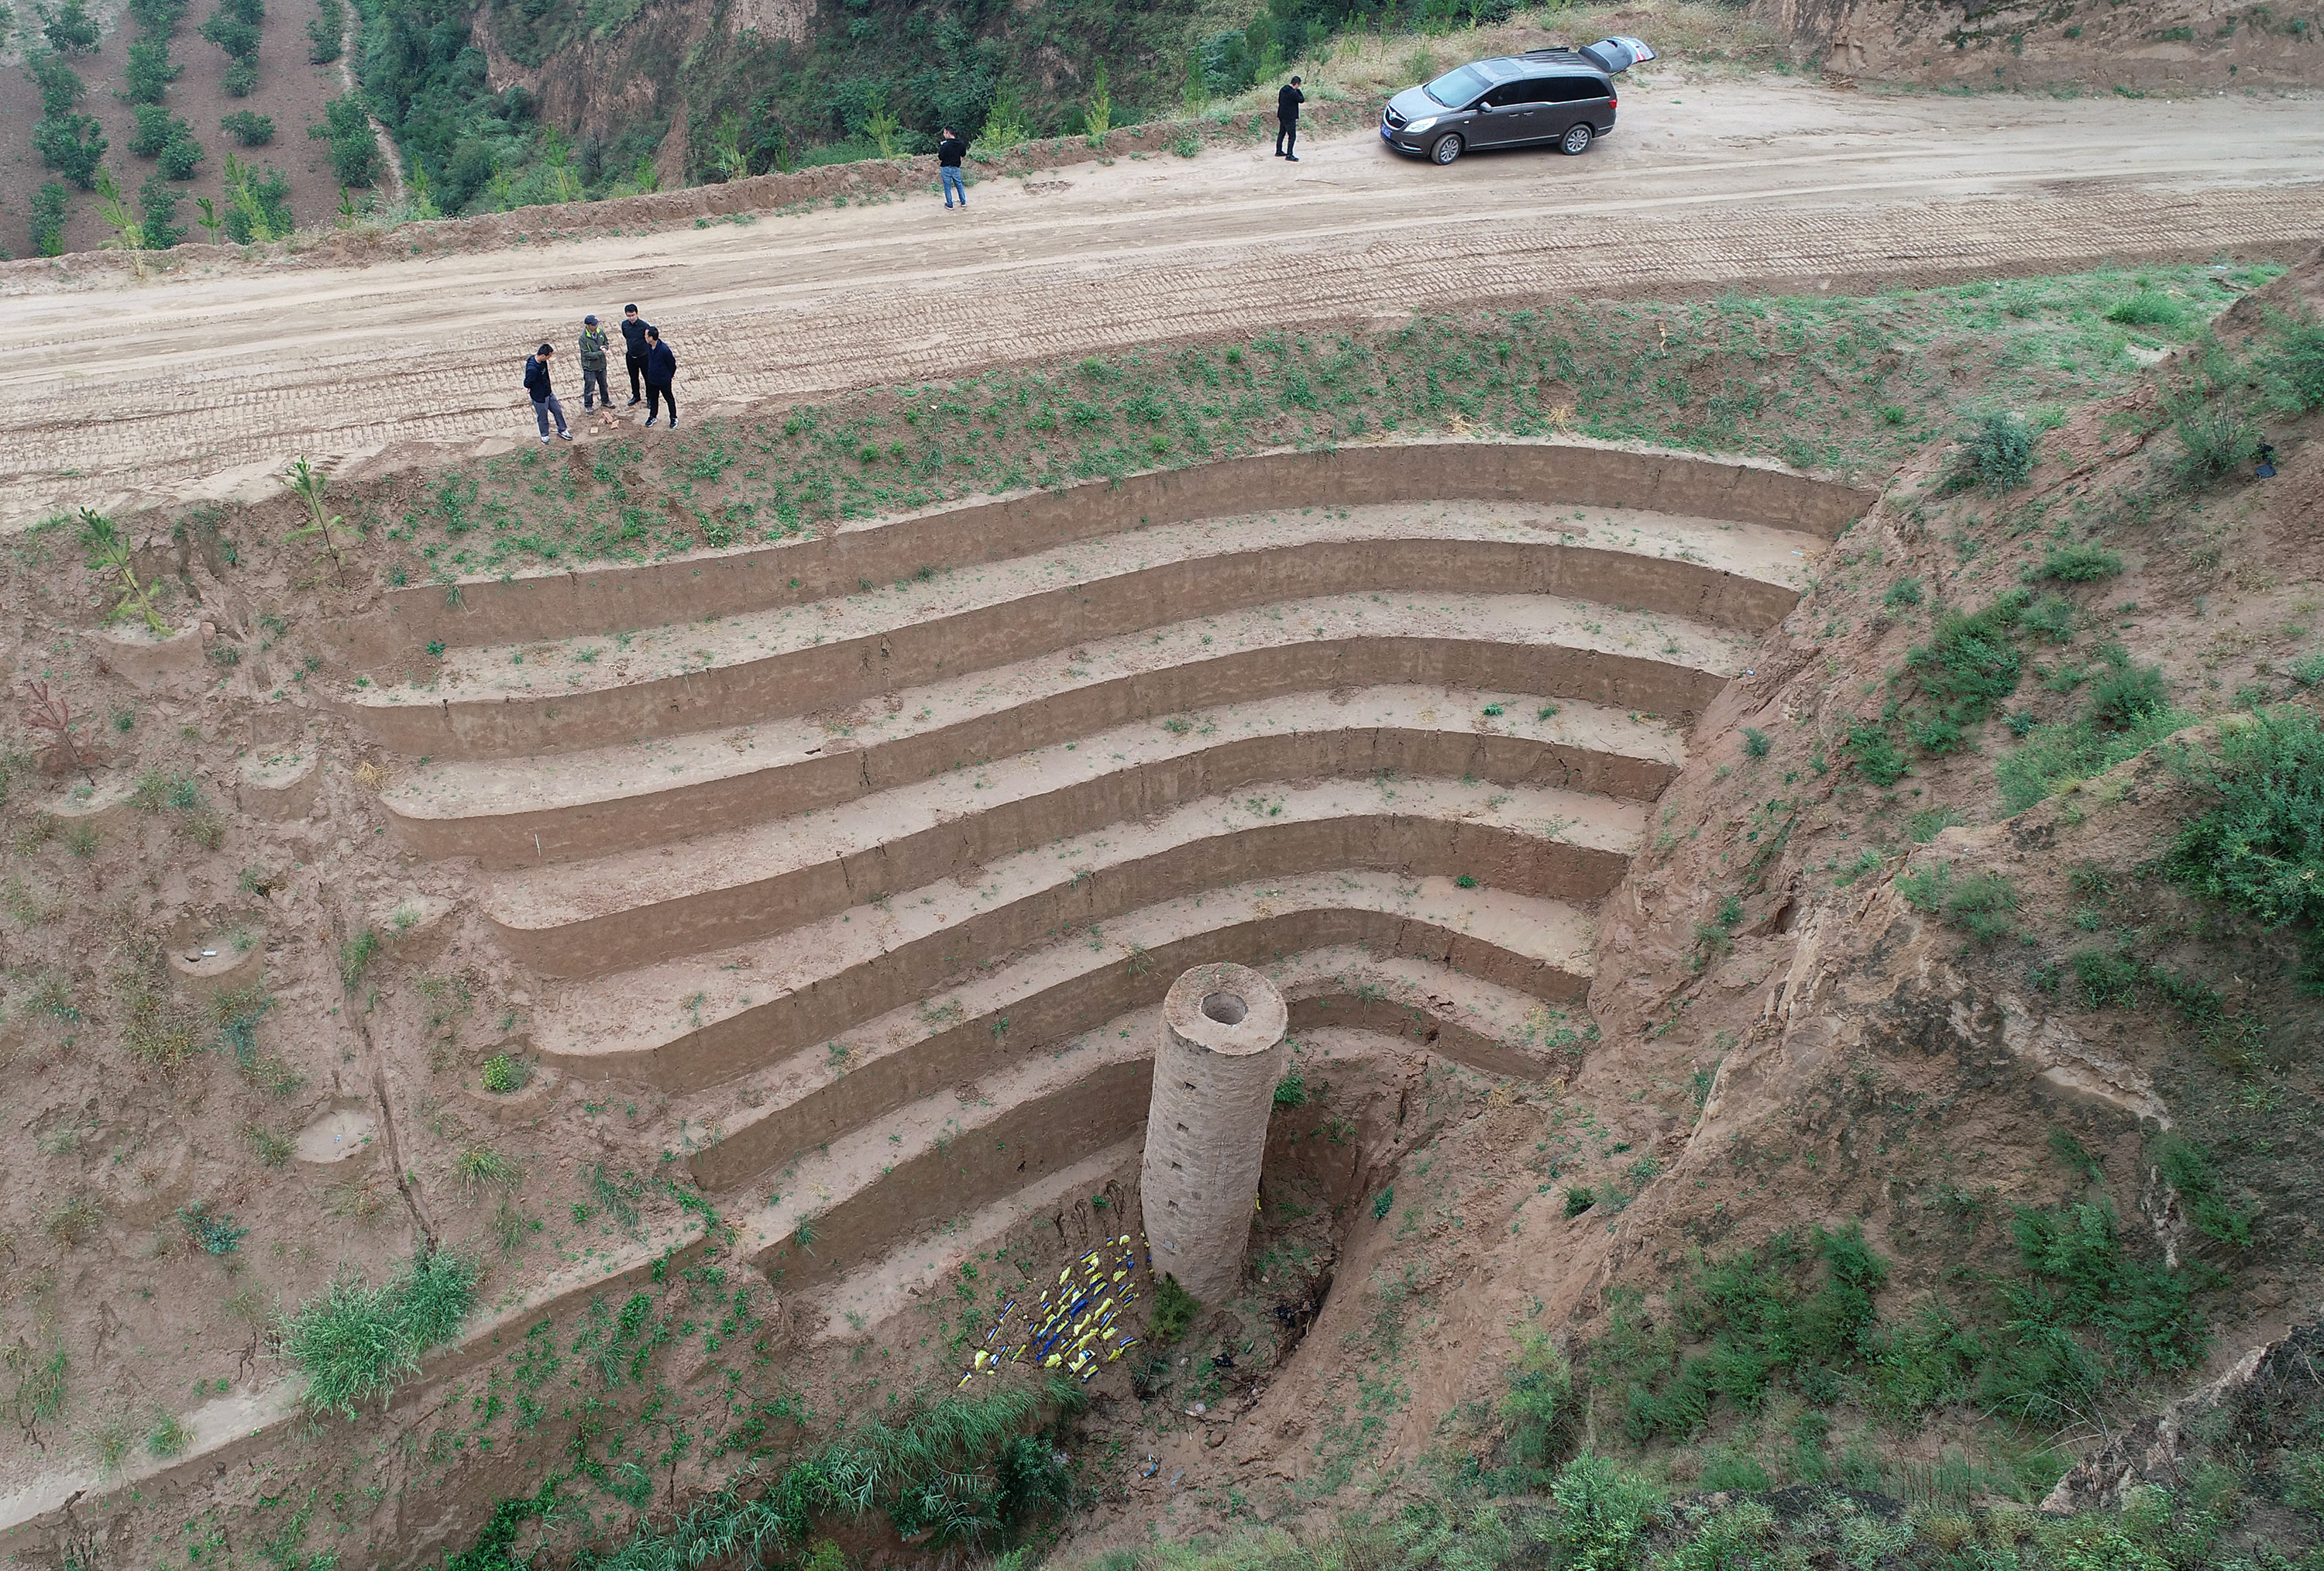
(291, 91)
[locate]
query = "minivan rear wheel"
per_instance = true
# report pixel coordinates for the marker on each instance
(1448, 148)
(1576, 141)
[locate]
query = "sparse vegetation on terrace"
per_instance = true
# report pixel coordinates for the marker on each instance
(1689, 375)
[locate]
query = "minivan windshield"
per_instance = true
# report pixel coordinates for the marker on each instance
(1458, 89)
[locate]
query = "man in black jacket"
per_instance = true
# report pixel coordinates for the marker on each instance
(662, 372)
(951, 148)
(544, 397)
(1286, 120)
(633, 339)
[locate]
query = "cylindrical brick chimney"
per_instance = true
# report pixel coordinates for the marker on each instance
(1215, 1071)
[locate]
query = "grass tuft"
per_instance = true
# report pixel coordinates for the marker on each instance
(357, 1343)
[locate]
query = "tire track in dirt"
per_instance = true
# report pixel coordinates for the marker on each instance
(344, 361)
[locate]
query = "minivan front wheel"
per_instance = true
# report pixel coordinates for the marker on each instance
(1448, 148)
(1576, 141)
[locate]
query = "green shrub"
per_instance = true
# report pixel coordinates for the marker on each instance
(73, 145)
(2259, 847)
(158, 224)
(2214, 438)
(1930, 1361)
(1756, 741)
(1970, 664)
(2052, 619)
(2149, 308)
(248, 129)
(48, 226)
(2123, 696)
(181, 156)
(2291, 365)
(1538, 1404)
(1874, 753)
(2188, 1168)
(1578, 1197)
(212, 1234)
(1980, 905)
(154, 125)
(504, 1073)
(1902, 594)
(2308, 670)
(70, 28)
(2078, 564)
(158, 17)
(327, 32)
(2081, 1275)
(149, 72)
(357, 1343)
(1174, 1310)
(1600, 1514)
(2105, 977)
(1291, 1091)
(354, 153)
(1996, 453)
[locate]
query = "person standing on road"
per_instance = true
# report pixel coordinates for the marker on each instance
(661, 374)
(1286, 120)
(544, 397)
(634, 336)
(951, 148)
(594, 345)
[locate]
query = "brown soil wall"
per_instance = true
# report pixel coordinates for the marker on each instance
(694, 587)
(979, 835)
(843, 772)
(1501, 858)
(850, 670)
(1021, 1146)
(975, 1046)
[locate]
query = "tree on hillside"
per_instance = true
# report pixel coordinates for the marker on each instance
(71, 145)
(150, 71)
(159, 200)
(49, 219)
(346, 126)
(70, 28)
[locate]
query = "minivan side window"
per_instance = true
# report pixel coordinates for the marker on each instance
(1510, 94)
(1575, 89)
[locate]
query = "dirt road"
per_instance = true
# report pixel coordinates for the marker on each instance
(196, 387)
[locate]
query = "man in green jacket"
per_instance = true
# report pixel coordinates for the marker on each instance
(594, 344)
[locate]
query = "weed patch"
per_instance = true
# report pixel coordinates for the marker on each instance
(357, 1343)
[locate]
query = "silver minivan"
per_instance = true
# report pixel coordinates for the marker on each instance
(1560, 96)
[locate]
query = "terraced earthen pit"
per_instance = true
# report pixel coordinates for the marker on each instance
(833, 833)
(871, 856)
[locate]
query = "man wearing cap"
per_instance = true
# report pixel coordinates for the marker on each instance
(544, 397)
(594, 345)
(633, 334)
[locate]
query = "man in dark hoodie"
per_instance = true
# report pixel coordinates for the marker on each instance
(951, 148)
(544, 397)
(1286, 120)
(633, 337)
(662, 372)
